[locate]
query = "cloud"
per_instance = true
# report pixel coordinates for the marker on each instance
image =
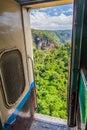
(55, 13)
(68, 11)
(41, 20)
(54, 9)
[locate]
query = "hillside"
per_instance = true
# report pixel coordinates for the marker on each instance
(64, 35)
(57, 36)
(51, 71)
(51, 74)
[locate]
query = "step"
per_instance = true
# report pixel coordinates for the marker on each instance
(44, 122)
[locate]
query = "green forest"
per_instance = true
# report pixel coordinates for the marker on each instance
(51, 76)
(56, 36)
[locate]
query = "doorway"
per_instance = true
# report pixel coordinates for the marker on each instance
(52, 31)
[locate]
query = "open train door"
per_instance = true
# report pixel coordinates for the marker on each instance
(77, 106)
(17, 86)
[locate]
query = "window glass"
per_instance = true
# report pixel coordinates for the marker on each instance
(13, 75)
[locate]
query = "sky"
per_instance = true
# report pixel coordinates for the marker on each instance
(52, 18)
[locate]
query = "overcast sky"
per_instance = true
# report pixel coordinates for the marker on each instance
(52, 18)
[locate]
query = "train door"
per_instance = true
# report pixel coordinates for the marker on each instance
(77, 106)
(17, 92)
(82, 97)
(17, 86)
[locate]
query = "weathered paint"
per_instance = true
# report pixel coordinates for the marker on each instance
(76, 41)
(12, 37)
(19, 107)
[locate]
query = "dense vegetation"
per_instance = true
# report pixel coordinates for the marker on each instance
(46, 35)
(51, 74)
(57, 37)
(51, 71)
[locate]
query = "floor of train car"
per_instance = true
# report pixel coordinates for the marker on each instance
(43, 122)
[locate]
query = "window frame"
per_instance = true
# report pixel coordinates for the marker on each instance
(4, 93)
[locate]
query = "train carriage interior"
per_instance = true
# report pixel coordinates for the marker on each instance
(17, 84)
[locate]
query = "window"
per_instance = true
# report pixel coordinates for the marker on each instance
(12, 75)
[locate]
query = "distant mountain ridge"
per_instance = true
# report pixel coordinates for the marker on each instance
(53, 36)
(64, 35)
